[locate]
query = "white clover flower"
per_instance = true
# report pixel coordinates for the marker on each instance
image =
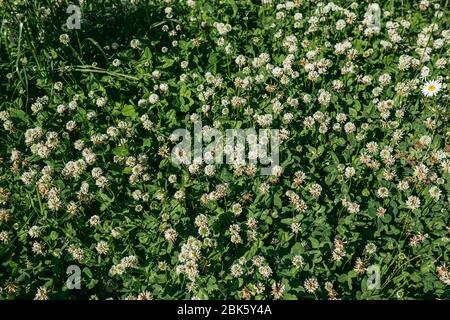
(413, 202)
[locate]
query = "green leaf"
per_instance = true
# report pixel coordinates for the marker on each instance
(54, 235)
(288, 296)
(87, 272)
(168, 63)
(129, 111)
(314, 243)
(277, 201)
(20, 114)
(297, 249)
(120, 151)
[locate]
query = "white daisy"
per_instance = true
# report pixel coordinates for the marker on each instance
(431, 88)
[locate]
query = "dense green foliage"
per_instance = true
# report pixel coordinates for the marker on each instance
(86, 177)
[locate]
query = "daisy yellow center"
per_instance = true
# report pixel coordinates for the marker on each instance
(431, 87)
